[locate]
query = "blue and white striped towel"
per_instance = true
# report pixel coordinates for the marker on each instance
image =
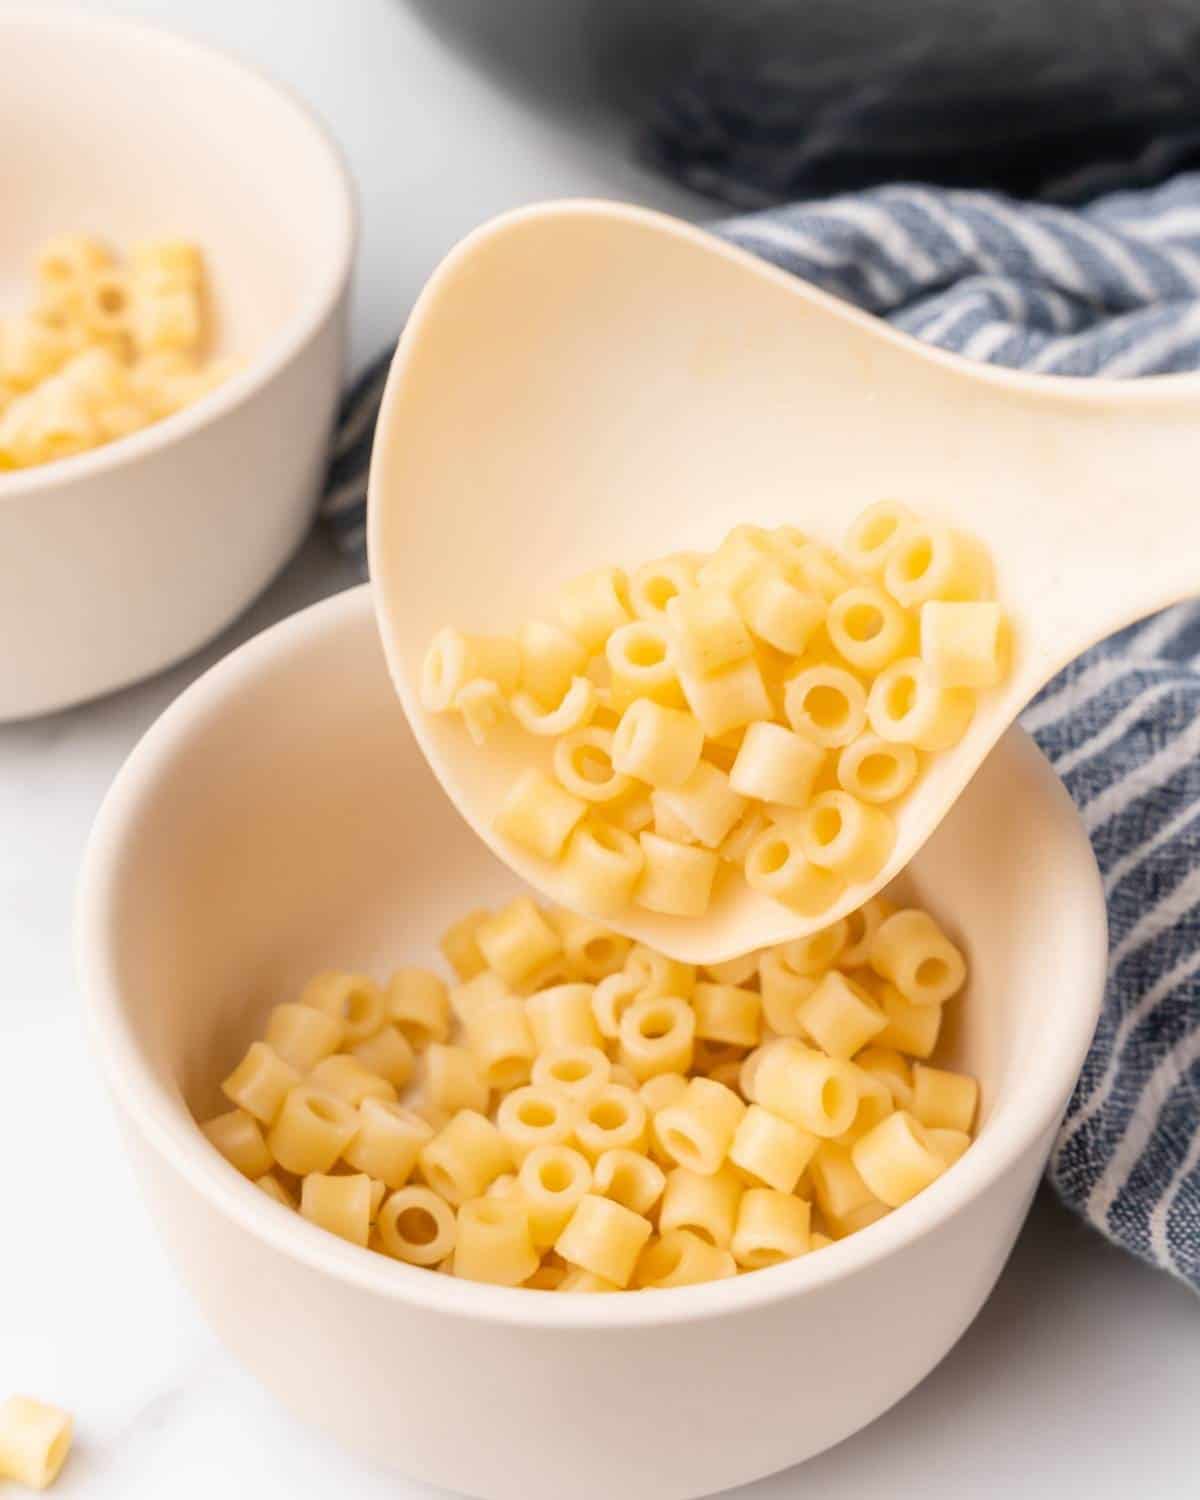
(1114, 289)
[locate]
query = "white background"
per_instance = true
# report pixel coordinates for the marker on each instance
(1080, 1376)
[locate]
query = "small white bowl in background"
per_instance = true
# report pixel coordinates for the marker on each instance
(279, 819)
(123, 559)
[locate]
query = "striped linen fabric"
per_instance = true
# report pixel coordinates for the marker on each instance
(1113, 288)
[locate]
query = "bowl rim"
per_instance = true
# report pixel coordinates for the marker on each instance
(287, 342)
(1042, 1088)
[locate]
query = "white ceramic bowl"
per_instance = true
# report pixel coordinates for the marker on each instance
(279, 819)
(121, 560)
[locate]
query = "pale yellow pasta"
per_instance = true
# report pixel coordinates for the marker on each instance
(579, 1280)
(387, 1053)
(706, 1203)
(657, 744)
(583, 765)
(459, 946)
(727, 1013)
(550, 658)
(35, 1439)
(611, 998)
(909, 706)
(942, 1100)
(874, 534)
(934, 562)
(342, 1205)
(848, 837)
(910, 1028)
(963, 644)
(681, 1258)
(826, 704)
(742, 970)
(677, 879)
(777, 612)
(516, 940)
(387, 1142)
(774, 764)
(640, 665)
(464, 1157)
(817, 1093)
(777, 866)
(913, 952)
(453, 1080)
(31, 351)
(838, 1187)
(500, 1039)
(818, 1241)
(613, 1119)
(705, 805)
(736, 560)
(768, 1149)
(868, 629)
(728, 699)
(818, 951)
(312, 1130)
(949, 1144)
(548, 1277)
(624, 1076)
(574, 710)
(483, 708)
(861, 926)
(896, 1159)
(417, 1226)
(655, 584)
(353, 999)
(888, 1067)
(656, 1035)
(302, 1036)
(875, 771)
(698, 1130)
(418, 1003)
(577, 1072)
(492, 1242)
(533, 1116)
(657, 974)
(605, 1238)
(592, 951)
(271, 1185)
(601, 868)
(840, 1016)
(875, 1103)
(667, 824)
(631, 1179)
(551, 1182)
(784, 992)
(771, 1227)
(239, 1138)
(351, 1080)
(594, 605)
(661, 1090)
(727, 1070)
(454, 659)
(707, 633)
(538, 814)
(562, 1015)
(260, 1082)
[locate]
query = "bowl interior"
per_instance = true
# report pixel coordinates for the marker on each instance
(126, 132)
(280, 820)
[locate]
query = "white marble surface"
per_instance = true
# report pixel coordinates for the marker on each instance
(1081, 1372)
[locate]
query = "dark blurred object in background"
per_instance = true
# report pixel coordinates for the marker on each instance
(756, 101)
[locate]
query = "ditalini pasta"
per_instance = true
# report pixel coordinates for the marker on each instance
(762, 708)
(103, 349)
(573, 1112)
(35, 1439)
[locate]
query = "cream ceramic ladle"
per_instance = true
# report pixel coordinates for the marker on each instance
(585, 382)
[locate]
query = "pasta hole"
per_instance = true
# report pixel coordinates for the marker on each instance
(667, 1260)
(772, 856)
(656, 1024)
(877, 532)
(681, 1146)
(915, 560)
(863, 622)
(415, 1033)
(110, 299)
(488, 1212)
(605, 837)
(591, 764)
(701, 1232)
(608, 1114)
(826, 706)
(416, 1226)
(570, 1070)
(537, 1114)
(645, 651)
(599, 950)
(441, 1182)
(507, 1072)
(556, 1176)
(932, 972)
(833, 1098)
(358, 1007)
(322, 1109)
(659, 591)
(876, 770)
(901, 695)
(826, 826)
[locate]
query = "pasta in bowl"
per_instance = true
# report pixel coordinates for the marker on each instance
(329, 837)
